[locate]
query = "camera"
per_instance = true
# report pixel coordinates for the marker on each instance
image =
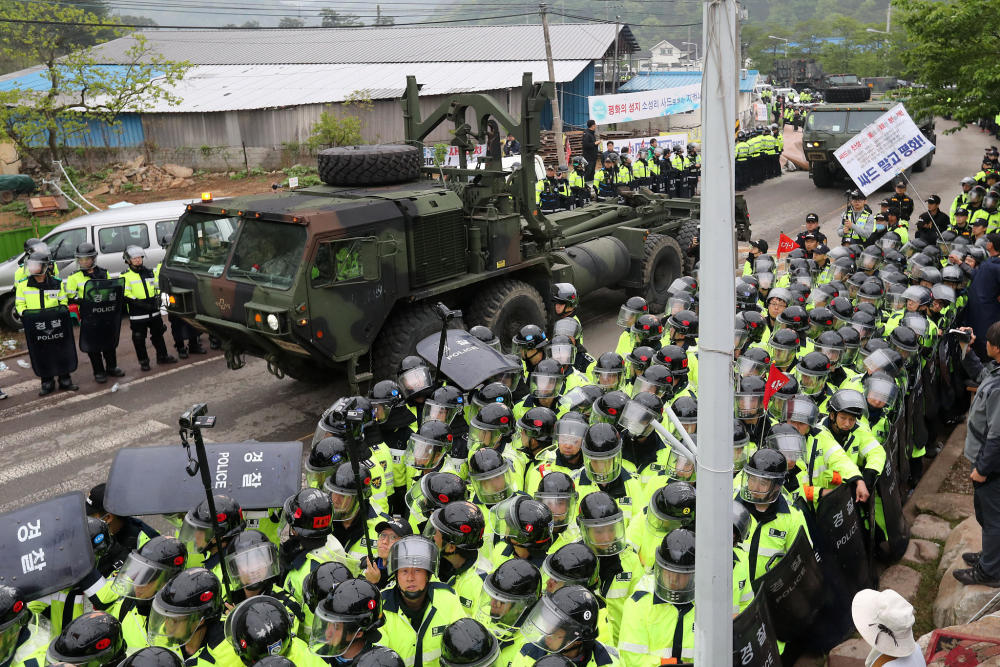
(961, 336)
(196, 417)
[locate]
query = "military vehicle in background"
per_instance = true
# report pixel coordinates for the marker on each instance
(798, 73)
(839, 88)
(829, 126)
(343, 277)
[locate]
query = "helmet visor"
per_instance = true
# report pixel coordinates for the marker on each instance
(661, 524)
(832, 352)
(564, 353)
(627, 316)
(760, 488)
(344, 502)
(195, 535)
(789, 444)
(169, 627)
(608, 380)
(746, 367)
(544, 385)
(679, 302)
(604, 536)
(748, 405)
(331, 634)
(643, 384)
(416, 552)
(576, 400)
(253, 566)
(414, 380)
(500, 612)
(493, 486)
(567, 326)
(802, 410)
(637, 419)
(881, 392)
(562, 506)
(673, 583)
(604, 469)
(880, 360)
(781, 356)
(765, 281)
(549, 629)
(140, 578)
(569, 436)
(776, 406)
(810, 383)
(441, 412)
(35, 267)
(424, 453)
(849, 357)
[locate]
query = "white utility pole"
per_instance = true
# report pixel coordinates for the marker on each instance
(556, 118)
(714, 533)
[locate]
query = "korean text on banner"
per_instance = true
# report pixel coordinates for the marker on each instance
(623, 107)
(883, 149)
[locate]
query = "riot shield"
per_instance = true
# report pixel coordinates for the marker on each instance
(915, 413)
(45, 547)
(793, 590)
(101, 314)
(840, 537)
(49, 335)
(904, 447)
(754, 644)
(467, 361)
(895, 532)
(154, 480)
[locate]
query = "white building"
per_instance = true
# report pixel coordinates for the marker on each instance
(666, 55)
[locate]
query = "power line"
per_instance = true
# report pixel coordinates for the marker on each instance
(636, 24)
(77, 24)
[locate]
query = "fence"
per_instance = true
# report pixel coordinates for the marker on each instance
(12, 241)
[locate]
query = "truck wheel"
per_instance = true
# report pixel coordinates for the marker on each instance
(505, 306)
(685, 235)
(8, 315)
(821, 175)
(369, 165)
(663, 261)
(399, 336)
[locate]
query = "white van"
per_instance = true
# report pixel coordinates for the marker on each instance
(110, 230)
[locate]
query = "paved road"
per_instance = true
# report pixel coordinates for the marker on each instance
(66, 441)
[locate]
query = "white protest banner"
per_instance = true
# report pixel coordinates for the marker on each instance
(883, 149)
(624, 107)
(451, 159)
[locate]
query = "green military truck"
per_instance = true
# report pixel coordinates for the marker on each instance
(342, 278)
(830, 126)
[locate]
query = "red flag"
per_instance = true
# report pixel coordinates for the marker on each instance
(786, 244)
(569, 150)
(775, 381)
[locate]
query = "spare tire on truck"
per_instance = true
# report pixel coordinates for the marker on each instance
(381, 164)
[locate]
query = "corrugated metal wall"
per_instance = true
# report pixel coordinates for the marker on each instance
(127, 132)
(573, 101)
(270, 128)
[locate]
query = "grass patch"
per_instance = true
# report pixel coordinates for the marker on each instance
(923, 605)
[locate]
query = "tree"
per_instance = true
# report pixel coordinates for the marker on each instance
(952, 53)
(333, 19)
(40, 117)
(345, 130)
(291, 22)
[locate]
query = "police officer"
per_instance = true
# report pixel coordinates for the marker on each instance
(261, 626)
(186, 615)
(352, 519)
(467, 643)
(602, 469)
(142, 298)
(93, 639)
(306, 540)
(254, 568)
(902, 201)
(509, 593)
(457, 530)
(104, 361)
(40, 290)
(858, 220)
(602, 525)
(198, 530)
(523, 527)
(128, 532)
(659, 624)
(417, 610)
(347, 622)
(144, 573)
(565, 622)
(671, 506)
(23, 638)
(317, 585)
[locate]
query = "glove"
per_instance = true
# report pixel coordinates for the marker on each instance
(870, 476)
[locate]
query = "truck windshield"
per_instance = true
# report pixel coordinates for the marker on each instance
(268, 253)
(203, 243)
(859, 120)
(843, 80)
(827, 121)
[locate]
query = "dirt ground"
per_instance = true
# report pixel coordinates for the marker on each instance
(219, 184)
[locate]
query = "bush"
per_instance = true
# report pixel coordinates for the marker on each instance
(330, 130)
(305, 181)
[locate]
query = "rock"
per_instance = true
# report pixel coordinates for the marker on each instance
(178, 171)
(902, 579)
(930, 528)
(967, 536)
(950, 506)
(176, 183)
(851, 653)
(188, 181)
(922, 551)
(99, 190)
(955, 604)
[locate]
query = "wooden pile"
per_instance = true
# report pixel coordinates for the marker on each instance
(575, 138)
